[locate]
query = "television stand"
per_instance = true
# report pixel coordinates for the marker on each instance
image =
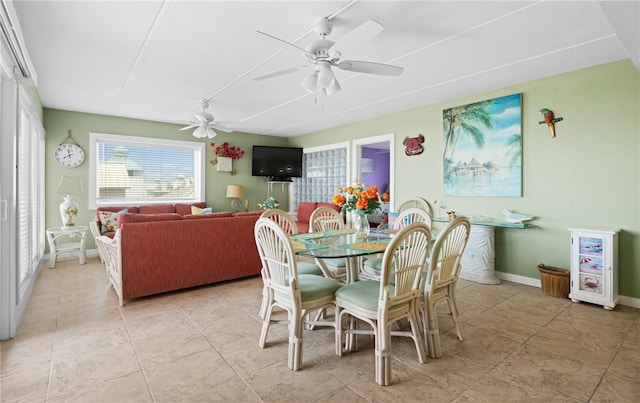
(279, 179)
(271, 182)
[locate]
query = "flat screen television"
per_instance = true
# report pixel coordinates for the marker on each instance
(278, 164)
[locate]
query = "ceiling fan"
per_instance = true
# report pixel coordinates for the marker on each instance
(205, 123)
(323, 54)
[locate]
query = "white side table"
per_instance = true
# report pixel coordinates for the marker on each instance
(64, 240)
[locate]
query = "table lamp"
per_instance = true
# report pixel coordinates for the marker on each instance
(235, 192)
(69, 185)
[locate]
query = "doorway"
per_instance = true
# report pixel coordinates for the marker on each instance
(373, 162)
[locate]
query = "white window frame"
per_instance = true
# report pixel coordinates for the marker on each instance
(198, 168)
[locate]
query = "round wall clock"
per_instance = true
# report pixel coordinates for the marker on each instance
(69, 155)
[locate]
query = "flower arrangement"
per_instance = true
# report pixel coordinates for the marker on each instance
(226, 150)
(358, 198)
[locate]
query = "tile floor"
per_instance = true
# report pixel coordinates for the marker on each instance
(76, 345)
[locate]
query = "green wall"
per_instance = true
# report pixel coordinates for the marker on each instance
(57, 123)
(589, 175)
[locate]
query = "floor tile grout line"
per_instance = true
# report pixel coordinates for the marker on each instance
(55, 333)
(186, 315)
(133, 345)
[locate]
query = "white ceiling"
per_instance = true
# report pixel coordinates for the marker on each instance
(156, 60)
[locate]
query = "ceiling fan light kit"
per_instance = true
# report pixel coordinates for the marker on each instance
(204, 124)
(322, 54)
(204, 131)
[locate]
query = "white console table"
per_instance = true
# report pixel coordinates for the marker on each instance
(478, 259)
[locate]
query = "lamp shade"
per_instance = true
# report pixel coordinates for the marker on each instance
(70, 185)
(235, 191)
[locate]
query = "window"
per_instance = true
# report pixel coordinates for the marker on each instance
(30, 193)
(324, 169)
(128, 170)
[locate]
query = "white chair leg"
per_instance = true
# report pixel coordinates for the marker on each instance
(383, 354)
(265, 326)
(296, 325)
(414, 322)
(454, 316)
(432, 332)
(267, 298)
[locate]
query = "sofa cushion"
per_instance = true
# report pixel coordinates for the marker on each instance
(195, 210)
(109, 220)
(248, 213)
(304, 211)
(220, 214)
(129, 218)
(185, 208)
(156, 209)
(115, 209)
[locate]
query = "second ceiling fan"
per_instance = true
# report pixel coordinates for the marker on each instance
(323, 54)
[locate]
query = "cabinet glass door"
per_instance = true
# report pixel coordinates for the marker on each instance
(591, 264)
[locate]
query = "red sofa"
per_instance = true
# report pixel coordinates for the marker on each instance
(304, 213)
(166, 251)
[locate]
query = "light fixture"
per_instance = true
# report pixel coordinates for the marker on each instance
(204, 131)
(321, 78)
(333, 88)
(235, 192)
(310, 83)
(69, 185)
(325, 75)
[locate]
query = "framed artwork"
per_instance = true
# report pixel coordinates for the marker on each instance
(366, 165)
(482, 148)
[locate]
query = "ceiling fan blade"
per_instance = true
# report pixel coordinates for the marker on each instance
(290, 46)
(282, 72)
(370, 67)
(356, 36)
(218, 126)
(189, 127)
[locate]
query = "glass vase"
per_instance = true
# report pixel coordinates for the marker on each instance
(361, 225)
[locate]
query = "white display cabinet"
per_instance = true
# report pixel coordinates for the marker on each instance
(594, 266)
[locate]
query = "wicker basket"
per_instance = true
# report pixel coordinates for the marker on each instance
(554, 281)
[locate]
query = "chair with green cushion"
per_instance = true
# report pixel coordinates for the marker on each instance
(296, 293)
(288, 224)
(326, 219)
(441, 277)
(380, 304)
(371, 267)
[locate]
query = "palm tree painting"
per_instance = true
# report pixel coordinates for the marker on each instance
(482, 148)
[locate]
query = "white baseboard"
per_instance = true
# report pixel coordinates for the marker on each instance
(535, 282)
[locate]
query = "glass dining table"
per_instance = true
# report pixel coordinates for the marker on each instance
(342, 243)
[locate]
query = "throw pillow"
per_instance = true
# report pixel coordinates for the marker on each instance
(109, 219)
(197, 210)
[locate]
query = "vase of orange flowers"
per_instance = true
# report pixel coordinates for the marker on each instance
(361, 201)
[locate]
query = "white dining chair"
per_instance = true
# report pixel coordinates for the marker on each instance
(440, 281)
(371, 267)
(416, 202)
(326, 219)
(296, 293)
(288, 224)
(381, 303)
